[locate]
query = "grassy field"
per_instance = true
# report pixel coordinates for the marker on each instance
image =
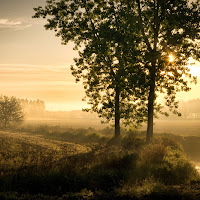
(52, 162)
(179, 127)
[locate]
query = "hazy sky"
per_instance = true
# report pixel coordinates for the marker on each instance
(34, 64)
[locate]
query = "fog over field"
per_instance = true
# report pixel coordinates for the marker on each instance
(34, 64)
(99, 99)
(186, 124)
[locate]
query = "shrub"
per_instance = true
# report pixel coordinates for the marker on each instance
(140, 188)
(164, 160)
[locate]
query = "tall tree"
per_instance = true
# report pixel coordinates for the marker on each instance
(169, 29)
(124, 48)
(108, 54)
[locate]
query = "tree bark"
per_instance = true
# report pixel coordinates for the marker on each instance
(151, 99)
(117, 113)
(152, 71)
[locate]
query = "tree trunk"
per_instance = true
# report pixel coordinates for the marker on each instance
(152, 71)
(151, 106)
(117, 113)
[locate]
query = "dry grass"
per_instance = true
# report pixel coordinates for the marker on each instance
(47, 163)
(19, 150)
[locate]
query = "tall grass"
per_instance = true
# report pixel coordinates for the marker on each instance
(79, 135)
(164, 160)
(112, 168)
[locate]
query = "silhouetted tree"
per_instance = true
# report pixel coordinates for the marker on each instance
(10, 111)
(168, 28)
(108, 60)
(133, 39)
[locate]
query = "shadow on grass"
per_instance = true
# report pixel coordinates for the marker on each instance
(101, 169)
(123, 168)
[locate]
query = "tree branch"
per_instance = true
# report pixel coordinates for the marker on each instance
(142, 27)
(156, 23)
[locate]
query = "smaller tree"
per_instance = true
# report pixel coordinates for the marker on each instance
(11, 112)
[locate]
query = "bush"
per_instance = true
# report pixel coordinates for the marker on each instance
(164, 161)
(140, 188)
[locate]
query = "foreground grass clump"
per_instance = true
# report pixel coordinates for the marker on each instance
(164, 159)
(122, 168)
(161, 166)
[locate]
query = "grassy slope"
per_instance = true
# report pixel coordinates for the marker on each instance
(45, 166)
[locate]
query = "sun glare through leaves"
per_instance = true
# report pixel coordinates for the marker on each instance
(171, 58)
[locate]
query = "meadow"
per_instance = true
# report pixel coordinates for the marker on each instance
(43, 161)
(181, 127)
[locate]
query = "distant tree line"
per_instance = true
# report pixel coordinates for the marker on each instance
(32, 107)
(190, 109)
(13, 110)
(187, 109)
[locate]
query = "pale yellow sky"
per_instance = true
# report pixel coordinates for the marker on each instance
(34, 64)
(53, 84)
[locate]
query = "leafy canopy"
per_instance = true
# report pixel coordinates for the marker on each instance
(168, 28)
(104, 33)
(124, 49)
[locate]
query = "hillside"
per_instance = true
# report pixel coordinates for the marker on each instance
(83, 165)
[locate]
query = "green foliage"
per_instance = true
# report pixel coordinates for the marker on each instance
(103, 33)
(124, 49)
(11, 112)
(167, 28)
(170, 28)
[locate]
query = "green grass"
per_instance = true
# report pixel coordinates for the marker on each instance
(45, 164)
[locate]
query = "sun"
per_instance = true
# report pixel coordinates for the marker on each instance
(171, 58)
